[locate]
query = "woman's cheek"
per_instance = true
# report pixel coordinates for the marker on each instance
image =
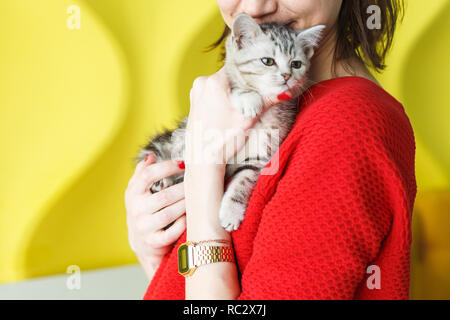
(308, 13)
(301, 10)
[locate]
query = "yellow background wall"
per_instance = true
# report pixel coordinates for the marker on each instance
(75, 105)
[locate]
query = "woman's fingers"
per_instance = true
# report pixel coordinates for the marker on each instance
(164, 198)
(169, 214)
(151, 158)
(149, 174)
(151, 222)
(171, 234)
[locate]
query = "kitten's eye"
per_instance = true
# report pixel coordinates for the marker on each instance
(296, 64)
(268, 61)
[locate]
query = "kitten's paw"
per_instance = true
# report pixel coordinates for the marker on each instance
(249, 104)
(251, 111)
(231, 214)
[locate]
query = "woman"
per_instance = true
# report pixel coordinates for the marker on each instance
(334, 221)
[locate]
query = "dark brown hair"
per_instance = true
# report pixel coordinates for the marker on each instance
(354, 38)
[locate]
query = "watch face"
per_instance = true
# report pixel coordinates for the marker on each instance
(183, 265)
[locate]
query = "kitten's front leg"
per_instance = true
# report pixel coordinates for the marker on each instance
(236, 198)
(248, 103)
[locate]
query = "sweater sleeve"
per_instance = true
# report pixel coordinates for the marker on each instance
(330, 212)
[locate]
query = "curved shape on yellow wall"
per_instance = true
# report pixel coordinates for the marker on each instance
(196, 60)
(430, 277)
(425, 83)
(417, 25)
(62, 97)
(86, 225)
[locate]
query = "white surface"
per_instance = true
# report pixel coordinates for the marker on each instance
(128, 283)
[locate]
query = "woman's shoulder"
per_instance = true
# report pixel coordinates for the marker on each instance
(351, 105)
(350, 115)
(352, 94)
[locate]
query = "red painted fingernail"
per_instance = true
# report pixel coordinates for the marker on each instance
(149, 156)
(181, 164)
(283, 96)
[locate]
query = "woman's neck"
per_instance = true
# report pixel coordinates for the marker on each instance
(322, 67)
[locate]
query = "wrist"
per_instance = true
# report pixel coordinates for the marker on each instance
(205, 171)
(204, 190)
(199, 230)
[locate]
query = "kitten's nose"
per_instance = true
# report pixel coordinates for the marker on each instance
(286, 76)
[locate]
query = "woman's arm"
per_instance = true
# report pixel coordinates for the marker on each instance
(210, 111)
(211, 115)
(216, 280)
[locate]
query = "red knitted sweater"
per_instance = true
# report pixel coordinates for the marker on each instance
(340, 202)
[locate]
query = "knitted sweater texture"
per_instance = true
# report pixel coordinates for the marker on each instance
(334, 221)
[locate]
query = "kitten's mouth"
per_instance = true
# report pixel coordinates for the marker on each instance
(293, 90)
(292, 86)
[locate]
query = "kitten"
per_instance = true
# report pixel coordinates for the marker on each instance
(260, 60)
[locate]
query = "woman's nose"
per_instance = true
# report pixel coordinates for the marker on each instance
(258, 8)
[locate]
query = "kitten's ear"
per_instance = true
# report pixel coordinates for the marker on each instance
(245, 29)
(310, 38)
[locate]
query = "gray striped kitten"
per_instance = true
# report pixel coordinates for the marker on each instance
(260, 60)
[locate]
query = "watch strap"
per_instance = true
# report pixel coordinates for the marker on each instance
(194, 254)
(205, 254)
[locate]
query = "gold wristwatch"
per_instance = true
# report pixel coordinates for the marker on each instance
(191, 255)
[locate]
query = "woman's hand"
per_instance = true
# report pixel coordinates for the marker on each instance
(216, 130)
(148, 214)
(212, 122)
